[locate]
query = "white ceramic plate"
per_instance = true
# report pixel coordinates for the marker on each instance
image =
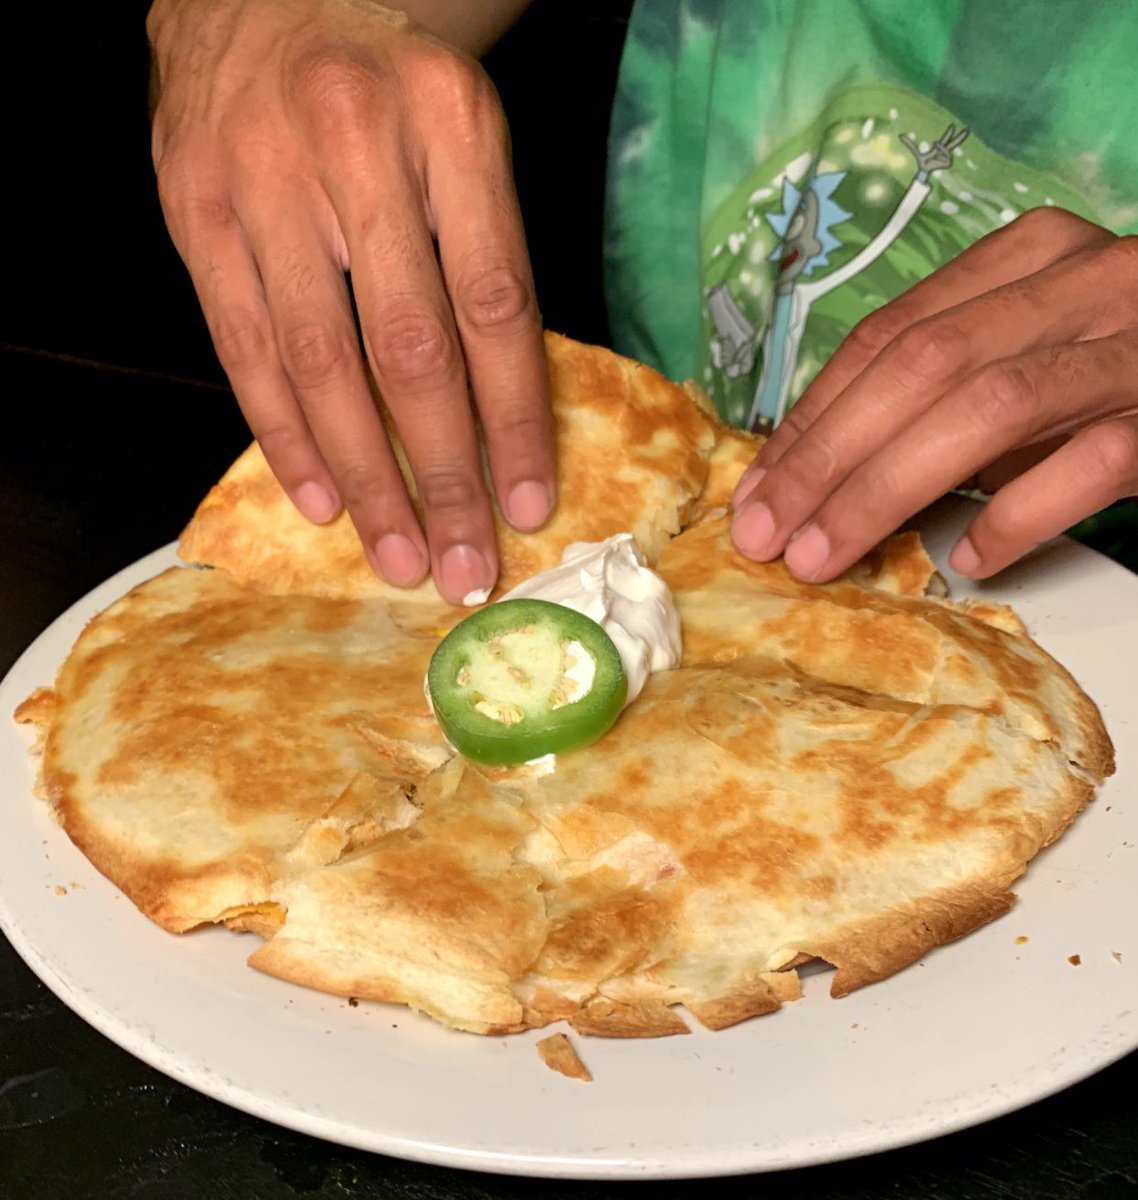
(973, 1031)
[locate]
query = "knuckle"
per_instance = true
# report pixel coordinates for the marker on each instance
(447, 490)
(1000, 524)
(241, 342)
(210, 211)
(1114, 449)
(796, 422)
(1123, 253)
(456, 82)
(495, 297)
(252, 142)
(1008, 395)
(810, 468)
(463, 94)
(1048, 220)
(312, 353)
(932, 348)
(1048, 232)
(360, 484)
(190, 188)
(173, 175)
(517, 438)
(413, 345)
(813, 464)
(523, 428)
(873, 333)
(333, 85)
(284, 445)
(170, 173)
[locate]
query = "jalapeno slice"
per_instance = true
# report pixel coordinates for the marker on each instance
(524, 678)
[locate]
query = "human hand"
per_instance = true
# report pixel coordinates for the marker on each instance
(1016, 362)
(296, 140)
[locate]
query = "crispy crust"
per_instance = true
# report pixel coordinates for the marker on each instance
(39, 711)
(887, 944)
(602, 1017)
(39, 708)
(766, 994)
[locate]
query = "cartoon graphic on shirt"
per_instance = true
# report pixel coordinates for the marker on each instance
(805, 228)
(849, 211)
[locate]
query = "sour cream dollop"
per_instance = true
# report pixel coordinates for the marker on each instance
(611, 583)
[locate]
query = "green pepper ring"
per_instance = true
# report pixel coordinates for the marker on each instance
(541, 729)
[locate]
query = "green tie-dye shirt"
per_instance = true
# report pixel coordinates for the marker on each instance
(780, 168)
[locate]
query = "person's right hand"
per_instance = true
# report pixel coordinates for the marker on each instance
(296, 140)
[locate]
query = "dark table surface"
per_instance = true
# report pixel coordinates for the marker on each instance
(116, 422)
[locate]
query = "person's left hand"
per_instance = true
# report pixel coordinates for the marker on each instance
(1016, 363)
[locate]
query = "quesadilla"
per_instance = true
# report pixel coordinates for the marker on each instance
(853, 772)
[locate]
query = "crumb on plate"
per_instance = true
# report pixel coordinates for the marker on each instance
(558, 1054)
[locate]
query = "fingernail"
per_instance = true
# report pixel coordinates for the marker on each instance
(465, 575)
(807, 552)
(400, 561)
(315, 502)
(752, 530)
(964, 560)
(528, 505)
(747, 485)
